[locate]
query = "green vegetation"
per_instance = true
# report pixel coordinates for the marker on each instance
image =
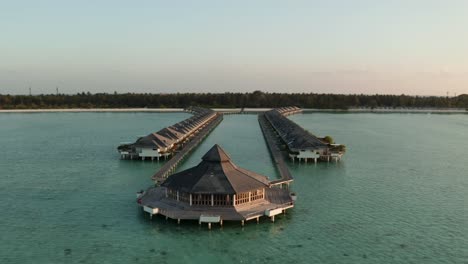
(339, 148)
(227, 100)
(329, 140)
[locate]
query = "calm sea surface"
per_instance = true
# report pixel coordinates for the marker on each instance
(400, 195)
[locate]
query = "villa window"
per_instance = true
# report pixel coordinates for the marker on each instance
(257, 195)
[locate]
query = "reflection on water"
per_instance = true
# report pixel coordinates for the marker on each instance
(398, 196)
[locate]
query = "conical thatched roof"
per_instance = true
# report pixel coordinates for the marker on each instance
(216, 174)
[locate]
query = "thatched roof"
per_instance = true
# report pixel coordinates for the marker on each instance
(216, 174)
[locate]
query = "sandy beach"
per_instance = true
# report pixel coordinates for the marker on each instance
(246, 110)
(158, 110)
(391, 110)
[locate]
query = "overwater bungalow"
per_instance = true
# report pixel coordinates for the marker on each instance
(301, 144)
(164, 142)
(214, 191)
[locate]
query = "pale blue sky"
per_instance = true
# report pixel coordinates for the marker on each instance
(411, 47)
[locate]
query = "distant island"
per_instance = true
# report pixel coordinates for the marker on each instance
(256, 99)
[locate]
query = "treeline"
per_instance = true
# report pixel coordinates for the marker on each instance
(228, 100)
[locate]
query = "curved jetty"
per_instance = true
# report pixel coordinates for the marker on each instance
(214, 191)
(167, 141)
(301, 144)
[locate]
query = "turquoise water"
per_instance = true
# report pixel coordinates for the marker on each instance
(400, 195)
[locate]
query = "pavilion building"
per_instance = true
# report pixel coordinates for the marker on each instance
(216, 190)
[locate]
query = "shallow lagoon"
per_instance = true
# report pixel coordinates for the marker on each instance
(400, 195)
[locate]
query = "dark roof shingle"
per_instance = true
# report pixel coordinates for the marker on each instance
(216, 174)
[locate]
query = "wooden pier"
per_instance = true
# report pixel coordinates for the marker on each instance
(301, 144)
(171, 165)
(214, 191)
(273, 145)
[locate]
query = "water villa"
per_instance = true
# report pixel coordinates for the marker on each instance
(214, 191)
(301, 144)
(164, 142)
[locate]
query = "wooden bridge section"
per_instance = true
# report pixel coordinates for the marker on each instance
(170, 166)
(273, 144)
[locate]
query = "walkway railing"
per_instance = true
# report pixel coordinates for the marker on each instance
(170, 166)
(272, 142)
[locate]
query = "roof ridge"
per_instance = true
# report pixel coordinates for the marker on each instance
(243, 171)
(216, 154)
(201, 176)
(248, 173)
(225, 175)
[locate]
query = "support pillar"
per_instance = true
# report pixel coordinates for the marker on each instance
(190, 200)
(258, 219)
(221, 222)
(242, 222)
(315, 160)
(209, 225)
(178, 221)
(177, 195)
(273, 219)
(212, 200)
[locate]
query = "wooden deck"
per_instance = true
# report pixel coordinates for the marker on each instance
(276, 199)
(172, 164)
(276, 154)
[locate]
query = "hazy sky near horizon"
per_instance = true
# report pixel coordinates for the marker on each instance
(360, 46)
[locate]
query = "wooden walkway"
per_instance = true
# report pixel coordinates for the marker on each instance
(275, 198)
(276, 154)
(171, 165)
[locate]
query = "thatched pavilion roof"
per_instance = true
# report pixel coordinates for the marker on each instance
(216, 174)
